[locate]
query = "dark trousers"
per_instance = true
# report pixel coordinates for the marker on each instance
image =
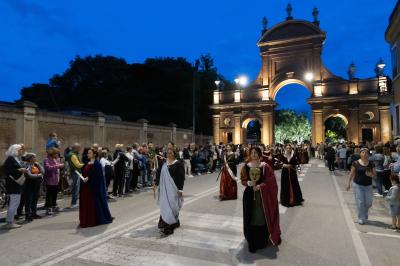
(31, 199)
(128, 181)
(214, 165)
(119, 183)
(331, 164)
(134, 180)
(51, 196)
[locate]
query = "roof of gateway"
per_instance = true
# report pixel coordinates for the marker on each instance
(291, 29)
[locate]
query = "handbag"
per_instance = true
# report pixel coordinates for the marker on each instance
(20, 181)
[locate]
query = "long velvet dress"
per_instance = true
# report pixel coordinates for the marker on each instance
(260, 209)
(93, 205)
(228, 185)
(291, 194)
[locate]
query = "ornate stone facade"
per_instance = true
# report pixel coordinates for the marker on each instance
(291, 53)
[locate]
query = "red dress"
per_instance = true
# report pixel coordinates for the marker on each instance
(87, 209)
(228, 185)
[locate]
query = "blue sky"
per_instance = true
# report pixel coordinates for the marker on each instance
(39, 38)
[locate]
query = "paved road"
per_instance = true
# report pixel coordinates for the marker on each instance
(322, 232)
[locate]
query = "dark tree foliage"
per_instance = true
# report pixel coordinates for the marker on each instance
(159, 90)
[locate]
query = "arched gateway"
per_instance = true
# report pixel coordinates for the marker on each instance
(291, 53)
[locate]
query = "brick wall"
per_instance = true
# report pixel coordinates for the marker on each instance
(25, 123)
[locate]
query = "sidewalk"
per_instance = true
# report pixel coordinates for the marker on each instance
(379, 218)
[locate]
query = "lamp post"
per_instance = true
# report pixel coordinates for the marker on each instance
(195, 69)
(241, 82)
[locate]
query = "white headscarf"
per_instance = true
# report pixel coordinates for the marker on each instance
(13, 150)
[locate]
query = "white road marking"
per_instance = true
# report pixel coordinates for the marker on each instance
(358, 244)
(122, 255)
(92, 242)
(380, 234)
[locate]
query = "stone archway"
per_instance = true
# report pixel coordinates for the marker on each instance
(291, 52)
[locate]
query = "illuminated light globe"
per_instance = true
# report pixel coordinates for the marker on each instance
(309, 76)
(242, 81)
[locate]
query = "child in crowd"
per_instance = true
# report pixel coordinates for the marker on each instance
(393, 197)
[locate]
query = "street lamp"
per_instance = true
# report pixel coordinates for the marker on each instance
(309, 76)
(242, 81)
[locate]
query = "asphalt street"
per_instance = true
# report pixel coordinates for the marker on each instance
(322, 232)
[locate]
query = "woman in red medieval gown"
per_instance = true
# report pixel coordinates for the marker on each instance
(228, 185)
(260, 203)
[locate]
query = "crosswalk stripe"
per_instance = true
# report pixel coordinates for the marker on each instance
(121, 255)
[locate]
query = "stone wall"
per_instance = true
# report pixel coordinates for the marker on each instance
(25, 123)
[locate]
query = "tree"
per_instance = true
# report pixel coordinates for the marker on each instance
(159, 90)
(291, 127)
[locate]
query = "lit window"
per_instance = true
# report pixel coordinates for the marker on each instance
(353, 88)
(237, 96)
(216, 97)
(317, 91)
(265, 93)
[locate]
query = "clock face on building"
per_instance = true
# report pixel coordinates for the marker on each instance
(227, 121)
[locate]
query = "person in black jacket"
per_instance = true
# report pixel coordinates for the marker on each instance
(14, 171)
(330, 156)
(120, 169)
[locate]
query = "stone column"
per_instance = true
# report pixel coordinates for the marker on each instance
(99, 129)
(26, 126)
(317, 127)
(216, 129)
(384, 115)
(173, 132)
(143, 131)
(267, 130)
(237, 135)
(353, 126)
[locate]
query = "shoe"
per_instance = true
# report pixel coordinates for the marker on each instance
(378, 195)
(11, 226)
(28, 219)
(360, 222)
(18, 216)
(209, 172)
(56, 209)
(190, 176)
(35, 216)
(49, 211)
(74, 206)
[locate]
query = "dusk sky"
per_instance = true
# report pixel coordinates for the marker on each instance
(39, 38)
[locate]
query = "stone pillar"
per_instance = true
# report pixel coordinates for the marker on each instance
(353, 126)
(143, 132)
(99, 129)
(26, 126)
(173, 132)
(384, 116)
(216, 129)
(317, 127)
(237, 135)
(267, 130)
